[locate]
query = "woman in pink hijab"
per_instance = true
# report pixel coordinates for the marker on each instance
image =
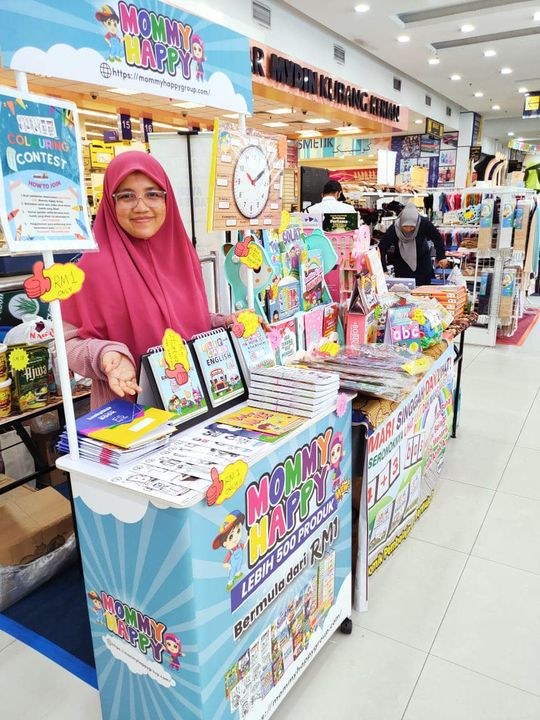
(145, 278)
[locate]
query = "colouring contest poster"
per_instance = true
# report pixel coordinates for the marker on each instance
(145, 45)
(214, 611)
(42, 205)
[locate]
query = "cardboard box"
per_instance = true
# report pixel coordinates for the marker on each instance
(33, 523)
(46, 449)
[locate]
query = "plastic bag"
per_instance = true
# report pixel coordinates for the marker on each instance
(456, 278)
(33, 330)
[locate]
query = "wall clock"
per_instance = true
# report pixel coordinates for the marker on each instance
(246, 179)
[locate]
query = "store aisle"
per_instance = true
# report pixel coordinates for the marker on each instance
(454, 629)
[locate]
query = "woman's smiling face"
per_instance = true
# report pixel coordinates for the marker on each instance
(143, 219)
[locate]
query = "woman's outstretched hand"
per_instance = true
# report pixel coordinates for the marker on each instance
(121, 373)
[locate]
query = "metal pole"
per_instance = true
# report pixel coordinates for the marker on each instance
(191, 204)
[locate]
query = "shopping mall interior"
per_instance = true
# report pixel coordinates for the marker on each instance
(269, 393)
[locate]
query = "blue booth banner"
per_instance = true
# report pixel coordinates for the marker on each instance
(215, 611)
(42, 201)
(147, 46)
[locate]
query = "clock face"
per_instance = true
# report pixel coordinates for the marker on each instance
(251, 180)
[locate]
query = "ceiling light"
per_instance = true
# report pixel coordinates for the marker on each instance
(188, 105)
(167, 126)
(371, 155)
(495, 107)
(348, 129)
(522, 90)
(490, 53)
(506, 71)
(361, 8)
(233, 116)
(467, 28)
(536, 17)
(455, 77)
(276, 124)
(418, 122)
(123, 91)
(403, 38)
(94, 134)
(478, 93)
(434, 61)
(520, 139)
(317, 121)
(309, 133)
(95, 113)
(510, 134)
(281, 111)
(100, 125)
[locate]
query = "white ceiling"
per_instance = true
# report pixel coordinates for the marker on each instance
(439, 22)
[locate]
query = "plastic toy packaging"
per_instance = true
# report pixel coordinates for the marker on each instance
(430, 321)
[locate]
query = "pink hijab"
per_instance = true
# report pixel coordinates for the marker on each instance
(134, 289)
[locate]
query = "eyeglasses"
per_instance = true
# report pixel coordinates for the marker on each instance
(129, 199)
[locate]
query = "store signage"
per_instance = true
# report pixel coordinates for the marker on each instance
(110, 136)
(314, 83)
(42, 196)
(434, 128)
(147, 126)
(124, 123)
(141, 45)
(339, 147)
(531, 105)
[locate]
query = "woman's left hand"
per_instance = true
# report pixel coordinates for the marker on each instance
(444, 263)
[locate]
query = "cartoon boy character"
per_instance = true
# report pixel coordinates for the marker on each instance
(336, 456)
(230, 534)
(174, 404)
(173, 648)
(197, 50)
(97, 607)
(113, 38)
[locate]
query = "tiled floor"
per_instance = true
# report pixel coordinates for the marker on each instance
(453, 632)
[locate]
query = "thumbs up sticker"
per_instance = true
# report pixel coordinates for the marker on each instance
(58, 282)
(226, 483)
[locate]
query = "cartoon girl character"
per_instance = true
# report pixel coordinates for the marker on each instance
(336, 456)
(197, 50)
(113, 38)
(173, 648)
(197, 398)
(97, 607)
(230, 534)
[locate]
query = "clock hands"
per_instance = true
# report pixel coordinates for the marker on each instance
(251, 180)
(259, 176)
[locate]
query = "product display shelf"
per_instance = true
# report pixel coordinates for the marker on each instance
(204, 607)
(17, 422)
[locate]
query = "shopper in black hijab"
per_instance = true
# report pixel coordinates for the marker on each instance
(408, 237)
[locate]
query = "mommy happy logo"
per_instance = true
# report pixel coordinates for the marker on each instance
(151, 41)
(143, 643)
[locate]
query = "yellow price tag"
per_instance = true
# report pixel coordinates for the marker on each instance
(250, 321)
(175, 350)
(18, 359)
(66, 280)
(329, 348)
(285, 220)
(225, 484)
(254, 258)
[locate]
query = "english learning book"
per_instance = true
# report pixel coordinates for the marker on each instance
(219, 366)
(254, 351)
(186, 400)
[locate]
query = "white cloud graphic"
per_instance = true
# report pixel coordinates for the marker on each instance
(138, 663)
(223, 94)
(60, 60)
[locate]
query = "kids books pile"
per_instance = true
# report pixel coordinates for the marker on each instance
(374, 370)
(305, 393)
(120, 432)
(452, 297)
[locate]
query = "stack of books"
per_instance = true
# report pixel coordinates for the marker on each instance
(452, 297)
(119, 432)
(299, 391)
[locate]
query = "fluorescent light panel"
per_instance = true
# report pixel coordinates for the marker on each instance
(123, 91)
(317, 121)
(281, 111)
(276, 124)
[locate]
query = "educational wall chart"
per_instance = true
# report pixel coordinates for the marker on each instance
(403, 460)
(215, 610)
(246, 178)
(144, 45)
(42, 202)
(437, 156)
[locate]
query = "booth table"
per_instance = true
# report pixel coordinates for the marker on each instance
(190, 622)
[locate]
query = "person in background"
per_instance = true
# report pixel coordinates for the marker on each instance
(330, 202)
(409, 236)
(145, 278)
